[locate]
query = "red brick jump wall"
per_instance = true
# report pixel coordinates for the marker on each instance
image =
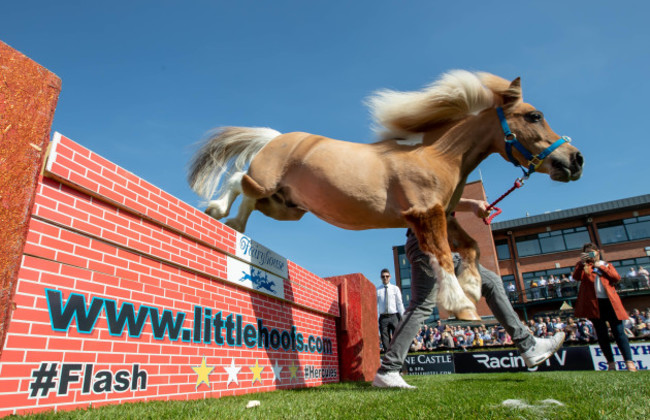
(127, 294)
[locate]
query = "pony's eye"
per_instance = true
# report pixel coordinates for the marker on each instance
(534, 116)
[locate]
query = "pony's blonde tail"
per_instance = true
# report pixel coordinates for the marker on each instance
(226, 151)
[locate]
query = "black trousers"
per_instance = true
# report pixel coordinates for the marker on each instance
(607, 314)
(387, 326)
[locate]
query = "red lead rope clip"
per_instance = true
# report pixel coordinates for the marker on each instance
(497, 211)
(519, 182)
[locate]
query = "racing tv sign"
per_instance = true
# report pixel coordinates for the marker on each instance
(567, 358)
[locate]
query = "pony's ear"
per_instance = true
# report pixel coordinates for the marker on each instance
(512, 95)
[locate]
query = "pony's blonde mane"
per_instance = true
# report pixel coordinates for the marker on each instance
(455, 95)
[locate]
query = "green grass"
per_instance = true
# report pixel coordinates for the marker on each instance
(585, 395)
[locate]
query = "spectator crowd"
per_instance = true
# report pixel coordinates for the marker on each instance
(578, 331)
(443, 336)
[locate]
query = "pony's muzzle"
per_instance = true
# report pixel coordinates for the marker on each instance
(567, 168)
(577, 161)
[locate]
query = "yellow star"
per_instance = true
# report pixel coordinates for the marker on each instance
(203, 371)
(293, 369)
(257, 371)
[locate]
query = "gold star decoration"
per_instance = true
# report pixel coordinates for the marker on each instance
(257, 371)
(203, 371)
(293, 369)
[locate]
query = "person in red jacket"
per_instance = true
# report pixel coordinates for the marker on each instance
(598, 301)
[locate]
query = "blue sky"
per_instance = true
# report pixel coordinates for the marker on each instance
(144, 80)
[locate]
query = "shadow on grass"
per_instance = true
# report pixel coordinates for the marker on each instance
(342, 387)
(491, 380)
(367, 387)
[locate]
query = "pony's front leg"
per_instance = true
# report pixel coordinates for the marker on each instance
(430, 227)
(468, 274)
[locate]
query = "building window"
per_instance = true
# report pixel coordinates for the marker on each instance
(435, 315)
(623, 266)
(612, 232)
(507, 280)
(528, 245)
(639, 228)
(406, 297)
(560, 287)
(503, 250)
(555, 272)
(553, 241)
(403, 262)
(577, 238)
(624, 230)
(510, 287)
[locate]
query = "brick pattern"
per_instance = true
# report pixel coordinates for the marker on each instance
(28, 96)
(103, 233)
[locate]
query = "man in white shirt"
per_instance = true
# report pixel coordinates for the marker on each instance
(542, 287)
(389, 308)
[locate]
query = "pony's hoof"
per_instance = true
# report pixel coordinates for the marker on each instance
(214, 213)
(236, 225)
(467, 315)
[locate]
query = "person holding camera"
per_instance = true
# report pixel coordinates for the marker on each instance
(598, 301)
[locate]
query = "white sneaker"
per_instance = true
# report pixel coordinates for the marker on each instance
(390, 380)
(543, 349)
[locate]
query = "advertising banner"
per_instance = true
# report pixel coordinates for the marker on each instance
(259, 255)
(429, 364)
(640, 355)
(248, 276)
(567, 358)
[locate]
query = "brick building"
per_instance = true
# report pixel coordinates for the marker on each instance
(524, 250)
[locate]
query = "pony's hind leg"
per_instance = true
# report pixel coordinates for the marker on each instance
(430, 227)
(220, 207)
(468, 273)
(246, 207)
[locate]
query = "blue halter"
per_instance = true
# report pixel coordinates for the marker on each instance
(533, 161)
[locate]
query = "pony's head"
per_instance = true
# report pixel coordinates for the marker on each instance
(459, 94)
(529, 140)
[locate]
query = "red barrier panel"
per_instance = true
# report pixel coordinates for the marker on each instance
(28, 96)
(357, 330)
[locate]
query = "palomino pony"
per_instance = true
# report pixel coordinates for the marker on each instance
(413, 178)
